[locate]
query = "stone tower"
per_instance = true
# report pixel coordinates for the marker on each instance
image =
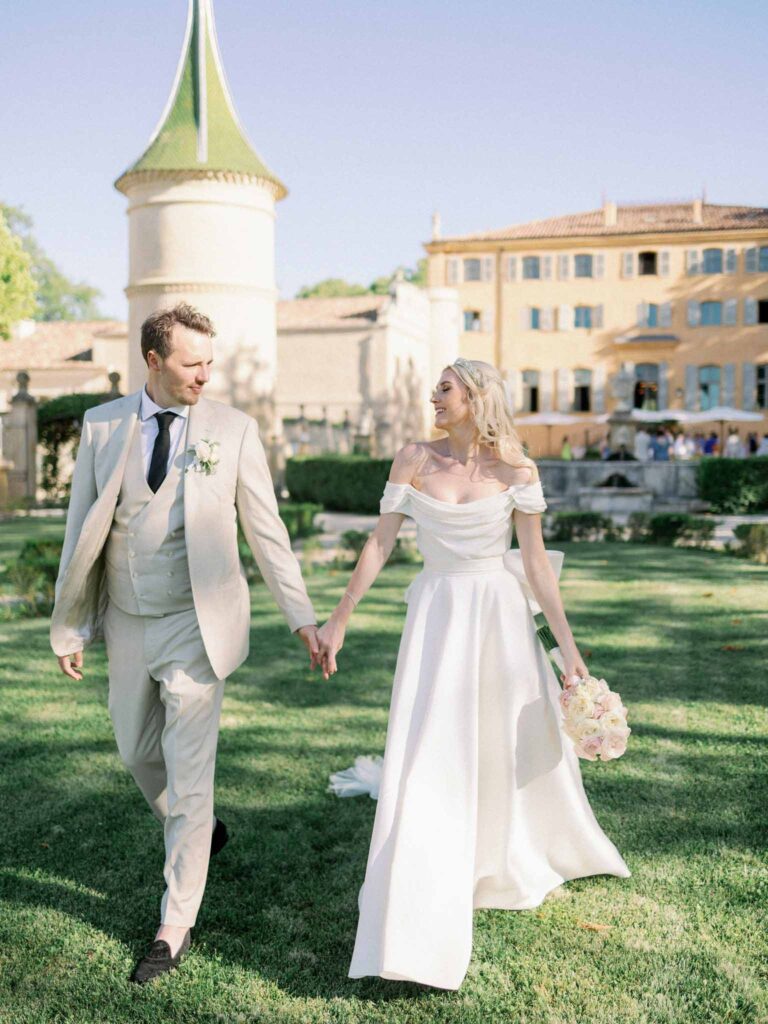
(201, 211)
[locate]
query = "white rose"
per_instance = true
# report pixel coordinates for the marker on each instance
(587, 728)
(203, 451)
(592, 686)
(580, 705)
(613, 720)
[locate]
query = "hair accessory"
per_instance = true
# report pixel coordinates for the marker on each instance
(468, 368)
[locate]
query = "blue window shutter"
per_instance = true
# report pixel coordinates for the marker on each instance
(665, 314)
(748, 386)
(750, 260)
(663, 397)
(750, 311)
(694, 314)
(598, 387)
(730, 261)
(729, 311)
(729, 383)
(691, 387)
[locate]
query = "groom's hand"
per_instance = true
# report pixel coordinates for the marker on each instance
(308, 636)
(72, 665)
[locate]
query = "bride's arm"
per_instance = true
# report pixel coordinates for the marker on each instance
(372, 558)
(546, 590)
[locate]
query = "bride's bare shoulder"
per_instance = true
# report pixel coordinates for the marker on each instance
(525, 472)
(408, 462)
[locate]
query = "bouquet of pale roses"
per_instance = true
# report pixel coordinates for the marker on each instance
(594, 716)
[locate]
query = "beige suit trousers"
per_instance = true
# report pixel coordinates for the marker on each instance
(165, 701)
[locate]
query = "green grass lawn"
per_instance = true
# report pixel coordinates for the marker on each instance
(681, 634)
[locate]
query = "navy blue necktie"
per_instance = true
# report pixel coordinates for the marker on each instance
(158, 467)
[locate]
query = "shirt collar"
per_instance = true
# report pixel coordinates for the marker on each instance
(150, 407)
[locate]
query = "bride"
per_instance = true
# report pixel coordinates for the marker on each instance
(481, 802)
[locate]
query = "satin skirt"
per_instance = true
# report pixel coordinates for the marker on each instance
(481, 802)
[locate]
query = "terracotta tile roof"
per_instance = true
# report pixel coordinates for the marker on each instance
(54, 343)
(634, 219)
(345, 311)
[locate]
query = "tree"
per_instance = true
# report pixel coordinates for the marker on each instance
(17, 285)
(332, 287)
(58, 298)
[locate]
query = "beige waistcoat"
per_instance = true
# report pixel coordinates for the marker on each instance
(146, 552)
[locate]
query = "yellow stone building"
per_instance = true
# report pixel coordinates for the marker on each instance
(677, 293)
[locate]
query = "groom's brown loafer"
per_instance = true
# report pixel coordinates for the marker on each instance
(220, 837)
(159, 960)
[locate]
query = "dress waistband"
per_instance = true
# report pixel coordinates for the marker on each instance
(462, 565)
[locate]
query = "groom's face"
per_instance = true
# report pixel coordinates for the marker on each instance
(186, 370)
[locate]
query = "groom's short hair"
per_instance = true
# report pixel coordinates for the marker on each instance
(157, 328)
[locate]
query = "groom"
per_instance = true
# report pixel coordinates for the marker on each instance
(150, 558)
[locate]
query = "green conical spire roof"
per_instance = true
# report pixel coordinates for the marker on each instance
(199, 129)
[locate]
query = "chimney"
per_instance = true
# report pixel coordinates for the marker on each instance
(698, 211)
(610, 214)
(437, 230)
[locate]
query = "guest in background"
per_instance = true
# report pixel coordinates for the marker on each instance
(660, 446)
(762, 448)
(605, 447)
(712, 445)
(734, 449)
(623, 454)
(642, 444)
(566, 452)
(579, 451)
(752, 442)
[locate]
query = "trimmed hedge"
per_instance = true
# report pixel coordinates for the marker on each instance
(736, 486)
(59, 422)
(341, 483)
(752, 541)
(669, 528)
(569, 525)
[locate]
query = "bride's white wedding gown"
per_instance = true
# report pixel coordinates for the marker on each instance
(481, 801)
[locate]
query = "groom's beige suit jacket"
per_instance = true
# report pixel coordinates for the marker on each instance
(240, 488)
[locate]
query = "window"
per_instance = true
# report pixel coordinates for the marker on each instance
(762, 385)
(647, 386)
(582, 265)
(712, 261)
(647, 263)
(472, 270)
(762, 258)
(531, 267)
(530, 390)
(582, 386)
(762, 311)
(711, 314)
(535, 318)
(652, 318)
(709, 387)
(472, 320)
(582, 316)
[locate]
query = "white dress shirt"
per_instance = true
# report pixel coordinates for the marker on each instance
(150, 428)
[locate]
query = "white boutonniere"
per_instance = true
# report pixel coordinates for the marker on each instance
(205, 458)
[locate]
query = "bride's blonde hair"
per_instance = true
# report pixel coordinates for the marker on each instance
(491, 410)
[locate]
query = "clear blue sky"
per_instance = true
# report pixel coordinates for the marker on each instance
(376, 114)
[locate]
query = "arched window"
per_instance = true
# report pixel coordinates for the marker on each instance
(713, 261)
(647, 386)
(582, 390)
(530, 390)
(709, 387)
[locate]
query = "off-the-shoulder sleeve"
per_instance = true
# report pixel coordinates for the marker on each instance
(395, 498)
(530, 497)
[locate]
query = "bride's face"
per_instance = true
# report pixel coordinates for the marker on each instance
(450, 401)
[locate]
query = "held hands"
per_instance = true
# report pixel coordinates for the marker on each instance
(308, 636)
(330, 638)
